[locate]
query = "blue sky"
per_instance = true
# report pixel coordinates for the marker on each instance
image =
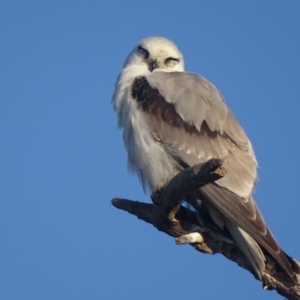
(62, 157)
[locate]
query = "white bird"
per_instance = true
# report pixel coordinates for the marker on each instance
(173, 119)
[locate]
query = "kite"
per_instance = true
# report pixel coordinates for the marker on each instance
(172, 120)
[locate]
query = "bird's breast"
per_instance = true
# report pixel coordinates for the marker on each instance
(146, 156)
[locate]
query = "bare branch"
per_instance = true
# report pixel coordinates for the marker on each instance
(167, 215)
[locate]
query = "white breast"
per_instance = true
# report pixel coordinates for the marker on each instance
(146, 157)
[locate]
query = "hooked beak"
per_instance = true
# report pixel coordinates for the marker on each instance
(153, 64)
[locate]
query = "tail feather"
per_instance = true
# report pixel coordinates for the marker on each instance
(248, 246)
(245, 214)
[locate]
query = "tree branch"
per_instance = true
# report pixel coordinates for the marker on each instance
(167, 215)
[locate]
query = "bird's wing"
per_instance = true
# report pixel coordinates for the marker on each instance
(188, 113)
(188, 116)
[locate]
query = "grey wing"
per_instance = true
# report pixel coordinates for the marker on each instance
(188, 115)
(213, 130)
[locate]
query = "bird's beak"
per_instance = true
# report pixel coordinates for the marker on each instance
(153, 64)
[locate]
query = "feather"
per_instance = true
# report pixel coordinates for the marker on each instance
(171, 120)
(188, 117)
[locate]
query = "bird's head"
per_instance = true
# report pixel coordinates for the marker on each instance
(156, 54)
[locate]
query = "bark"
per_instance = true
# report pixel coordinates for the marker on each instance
(168, 215)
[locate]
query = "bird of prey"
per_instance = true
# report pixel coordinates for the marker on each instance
(172, 120)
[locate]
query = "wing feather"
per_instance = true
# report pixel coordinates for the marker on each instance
(187, 114)
(198, 108)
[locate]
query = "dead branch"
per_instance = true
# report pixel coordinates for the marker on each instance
(168, 215)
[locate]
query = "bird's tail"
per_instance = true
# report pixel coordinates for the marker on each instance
(249, 229)
(248, 246)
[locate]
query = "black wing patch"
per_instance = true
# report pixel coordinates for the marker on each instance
(170, 129)
(152, 102)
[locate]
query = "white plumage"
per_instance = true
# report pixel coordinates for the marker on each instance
(172, 119)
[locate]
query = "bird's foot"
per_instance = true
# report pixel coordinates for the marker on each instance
(154, 196)
(156, 193)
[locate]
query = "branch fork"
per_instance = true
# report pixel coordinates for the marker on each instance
(168, 215)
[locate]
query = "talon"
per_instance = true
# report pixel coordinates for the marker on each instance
(154, 196)
(156, 193)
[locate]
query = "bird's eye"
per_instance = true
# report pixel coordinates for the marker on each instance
(143, 52)
(171, 62)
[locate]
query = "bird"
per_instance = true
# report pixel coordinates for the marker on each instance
(173, 119)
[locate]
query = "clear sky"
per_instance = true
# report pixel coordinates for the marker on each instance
(62, 157)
